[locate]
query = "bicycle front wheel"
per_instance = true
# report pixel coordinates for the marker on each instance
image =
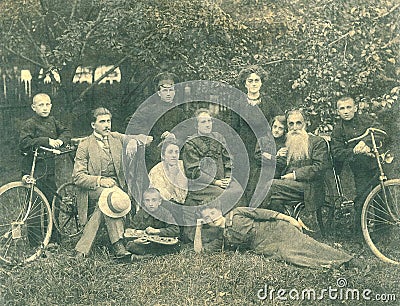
(25, 223)
(65, 210)
(380, 221)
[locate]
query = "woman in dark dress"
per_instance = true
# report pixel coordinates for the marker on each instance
(208, 166)
(270, 156)
(269, 233)
(251, 80)
(264, 149)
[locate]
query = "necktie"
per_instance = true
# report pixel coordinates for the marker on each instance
(106, 145)
(103, 143)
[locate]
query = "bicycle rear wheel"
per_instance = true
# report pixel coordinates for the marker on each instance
(325, 212)
(24, 232)
(65, 210)
(380, 221)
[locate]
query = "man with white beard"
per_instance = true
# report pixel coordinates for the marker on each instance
(302, 179)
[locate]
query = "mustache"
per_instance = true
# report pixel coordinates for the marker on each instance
(297, 132)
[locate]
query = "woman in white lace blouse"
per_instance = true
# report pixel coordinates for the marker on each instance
(168, 176)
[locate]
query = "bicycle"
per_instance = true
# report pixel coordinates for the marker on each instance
(380, 216)
(26, 218)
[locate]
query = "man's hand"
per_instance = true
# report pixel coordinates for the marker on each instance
(282, 152)
(288, 176)
(146, 140)
(358, 149)
(107, 182)
(55, 143)
(362, 148)
(291, 220)
(366, 150)
(131, 148)
(168, 134)
(294, 222)
(224, 183)
(152, 231)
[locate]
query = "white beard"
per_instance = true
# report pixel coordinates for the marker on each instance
(297, 145)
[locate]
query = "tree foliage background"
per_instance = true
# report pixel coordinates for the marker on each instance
(315, 51)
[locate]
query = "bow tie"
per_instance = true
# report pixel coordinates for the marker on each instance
(103, 139)
(103, 142)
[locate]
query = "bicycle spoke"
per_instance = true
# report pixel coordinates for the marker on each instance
(22, 204)
(65, 213)
(66, 222)
(381, 212)
(381, 226)
(395, 206)
(382, 206)
(24, 230)
(7, 244)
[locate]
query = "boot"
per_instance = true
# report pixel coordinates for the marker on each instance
(119, 250)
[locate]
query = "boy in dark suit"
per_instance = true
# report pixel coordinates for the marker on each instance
(42, 130)
(357, 154)
(153, 219)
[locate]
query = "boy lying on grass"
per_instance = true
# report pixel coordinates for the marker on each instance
(272, 234)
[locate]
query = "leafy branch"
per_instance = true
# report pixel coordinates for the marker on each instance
(26, 58)
(83, 93)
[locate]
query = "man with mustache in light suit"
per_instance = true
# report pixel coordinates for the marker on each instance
(98, 167)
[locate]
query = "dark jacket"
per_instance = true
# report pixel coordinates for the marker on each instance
(146, 121)
(268, 107)
(265, 144)
(161, 219)
(312, 171)
(36, 132)
(195, 153)
(343, 151)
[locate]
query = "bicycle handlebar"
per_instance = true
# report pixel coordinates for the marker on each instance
(54, 151)
(366, 133)
(57, 151)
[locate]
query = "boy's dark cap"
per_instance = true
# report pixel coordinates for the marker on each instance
(165, 79)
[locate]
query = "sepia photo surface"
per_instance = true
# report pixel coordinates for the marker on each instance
(218, 152)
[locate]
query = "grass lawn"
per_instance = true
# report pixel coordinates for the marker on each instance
(187, 278)
(228, 278)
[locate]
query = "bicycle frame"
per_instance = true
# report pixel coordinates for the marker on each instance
(30, 179)
(375, 152)
(382, 176)
(336, 177)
